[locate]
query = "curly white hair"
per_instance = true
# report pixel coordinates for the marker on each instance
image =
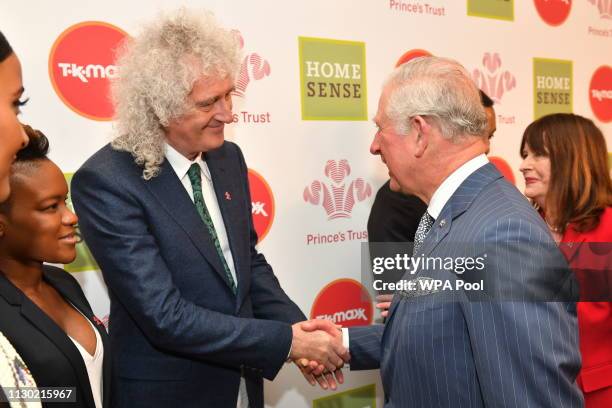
(157, 70)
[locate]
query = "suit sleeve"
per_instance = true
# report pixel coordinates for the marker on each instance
(525, 350)
(269, 300)
(115, 227)
(365, 346)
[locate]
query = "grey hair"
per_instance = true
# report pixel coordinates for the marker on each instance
(157, 71)
(440, 89)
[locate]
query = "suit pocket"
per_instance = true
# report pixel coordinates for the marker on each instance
(596, 378)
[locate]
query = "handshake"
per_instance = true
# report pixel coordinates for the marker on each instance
(318, 352)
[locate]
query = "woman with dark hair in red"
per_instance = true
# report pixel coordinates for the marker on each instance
(566, 177)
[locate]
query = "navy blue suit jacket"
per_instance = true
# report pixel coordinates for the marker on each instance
(504, 347)
(180, 336)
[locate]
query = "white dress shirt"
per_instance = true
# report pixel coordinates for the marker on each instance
(440, 197)
(93, 363)
(180, 164)
(448, 187)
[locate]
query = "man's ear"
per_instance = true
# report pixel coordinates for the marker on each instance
(423, 130)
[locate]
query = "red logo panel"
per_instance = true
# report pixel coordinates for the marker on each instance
(504, 168)
(553, 12)
(600, 93)
(412, 54)
(262, 201)
(345, 302)
(81, 64)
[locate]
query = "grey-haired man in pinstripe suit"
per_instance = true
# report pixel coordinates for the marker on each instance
(511, 341)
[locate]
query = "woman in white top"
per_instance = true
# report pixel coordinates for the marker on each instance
(44, 313)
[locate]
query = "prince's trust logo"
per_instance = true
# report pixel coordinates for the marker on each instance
(336, 197)
(253, 68)
(417, 8)
(604, 7)
(495, 82)
(492, 80)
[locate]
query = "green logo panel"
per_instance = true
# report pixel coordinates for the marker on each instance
(497, 9)
(332, 79)
(552, 87)
(84, 260)
(363, 397)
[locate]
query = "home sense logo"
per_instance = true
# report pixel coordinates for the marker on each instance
(362, 397)
(496, 9)
(336, 197)
(552, 86)
(600, 93)
(262, 203)
(333, 79)
(345, 302)
(81, 63)
(553, 12)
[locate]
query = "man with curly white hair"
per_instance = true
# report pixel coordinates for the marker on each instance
(197, 316)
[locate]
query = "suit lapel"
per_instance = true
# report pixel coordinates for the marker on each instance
(171, 195)
(456, 205)
(52, 331)
(459, 202)
(85, 309)
(227, 184)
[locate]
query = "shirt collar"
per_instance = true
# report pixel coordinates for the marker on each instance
(180, 164)
(448, 187)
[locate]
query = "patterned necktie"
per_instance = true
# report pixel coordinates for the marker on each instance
(425, 225)
(195, 177)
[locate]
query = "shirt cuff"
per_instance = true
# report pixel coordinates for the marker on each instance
(345, 337)
(288, 360)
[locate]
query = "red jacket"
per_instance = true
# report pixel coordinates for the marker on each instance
(590, 257)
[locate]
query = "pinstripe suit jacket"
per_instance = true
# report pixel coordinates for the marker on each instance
(503, 347)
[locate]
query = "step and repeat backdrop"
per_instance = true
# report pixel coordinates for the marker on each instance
(308, 87)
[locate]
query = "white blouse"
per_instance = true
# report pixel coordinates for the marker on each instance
(93, 364)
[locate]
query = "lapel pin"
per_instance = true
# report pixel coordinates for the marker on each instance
(442, 223)
(98, 322)
(228, 196)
